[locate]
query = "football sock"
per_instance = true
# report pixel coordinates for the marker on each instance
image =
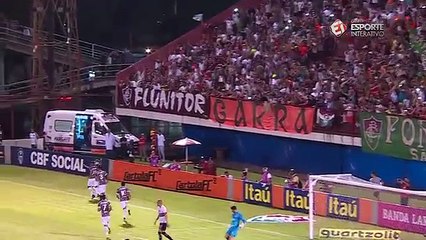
(167, 236)
(106, 228)
(159, 236)
(125, 212)
(128, 211)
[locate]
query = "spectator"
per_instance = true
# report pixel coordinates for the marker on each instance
(110, 144)
(266, 178)
(284, 53)
(244, 174)
(325, 187)
(154, 159)
(123, 146)
(202, 165)
(294, 180)
(88, 136)
(142, 147)
(375, 179)
(227, 175)
(210, 167)
(175, 166)
(33, 137)
(404, 184)
(160, 144)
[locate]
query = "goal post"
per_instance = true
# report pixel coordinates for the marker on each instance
(347, 186)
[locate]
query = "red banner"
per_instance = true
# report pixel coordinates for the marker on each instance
(180, 181)
(274, 117)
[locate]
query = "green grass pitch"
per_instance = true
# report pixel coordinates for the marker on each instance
(44, 205)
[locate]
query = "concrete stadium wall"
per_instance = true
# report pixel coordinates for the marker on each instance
(305, 156)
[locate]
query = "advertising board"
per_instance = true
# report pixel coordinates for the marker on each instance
(180, 181)
(55, 161)
(254, 114)
(258, 194)
(342, 207)
(296, 200)
(402, 217)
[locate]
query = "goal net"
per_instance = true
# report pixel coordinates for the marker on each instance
(347, 207)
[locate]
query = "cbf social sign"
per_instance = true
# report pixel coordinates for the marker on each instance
(60, 162)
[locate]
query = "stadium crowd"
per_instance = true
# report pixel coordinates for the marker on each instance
(284, 52)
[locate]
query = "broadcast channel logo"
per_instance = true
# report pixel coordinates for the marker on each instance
(358, 28)
(338, 28)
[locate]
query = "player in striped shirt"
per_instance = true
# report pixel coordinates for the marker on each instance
(101, 178)
(104, 207)
(123, 195)
(163, 219)
(92, 184)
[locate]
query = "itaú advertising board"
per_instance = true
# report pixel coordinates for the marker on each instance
(55, 161)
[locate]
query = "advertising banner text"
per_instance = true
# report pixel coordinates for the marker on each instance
(258, 194)
(342, 207)
(395, 136)
(359, 234)
(179, 181)
(402, 217)
(296, 200)
(164, 101)
(247, 113)
(55, 161)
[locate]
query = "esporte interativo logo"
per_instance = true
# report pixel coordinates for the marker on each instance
(358, 28)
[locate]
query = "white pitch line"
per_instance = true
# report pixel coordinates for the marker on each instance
(150, 209)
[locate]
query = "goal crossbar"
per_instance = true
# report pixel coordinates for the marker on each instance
(347, 179)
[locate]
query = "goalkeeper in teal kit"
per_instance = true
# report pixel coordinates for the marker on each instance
(235, 226)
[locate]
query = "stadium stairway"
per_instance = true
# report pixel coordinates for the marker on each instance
(17, 41)
(91, 78)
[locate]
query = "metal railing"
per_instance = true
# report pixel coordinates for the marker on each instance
(20, 39)
(91, 77)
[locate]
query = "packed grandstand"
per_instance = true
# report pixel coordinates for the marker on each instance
(284, 52)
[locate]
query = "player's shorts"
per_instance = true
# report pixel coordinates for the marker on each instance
(124, 204)
(101, 189)
(232, 231)
(92, 183)
(162, 227)
(105, 220)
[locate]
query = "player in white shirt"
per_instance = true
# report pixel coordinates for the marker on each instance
(163, 219)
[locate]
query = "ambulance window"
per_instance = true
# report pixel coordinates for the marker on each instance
(99, 129)
(63, 126)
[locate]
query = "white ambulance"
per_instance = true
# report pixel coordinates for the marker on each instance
(82, 131)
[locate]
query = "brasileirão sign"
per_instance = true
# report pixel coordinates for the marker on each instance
(392, 135)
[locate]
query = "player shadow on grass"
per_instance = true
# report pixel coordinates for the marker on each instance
(127, 225)
(94, 201)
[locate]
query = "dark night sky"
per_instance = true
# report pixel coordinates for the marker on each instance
(111, 22)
